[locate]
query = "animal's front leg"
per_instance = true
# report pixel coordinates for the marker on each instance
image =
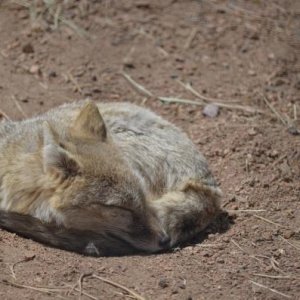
(188, 210)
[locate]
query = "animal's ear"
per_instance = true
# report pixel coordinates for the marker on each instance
(55, 158)
(89, 123)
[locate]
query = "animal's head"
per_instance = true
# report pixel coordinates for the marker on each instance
(94, 190)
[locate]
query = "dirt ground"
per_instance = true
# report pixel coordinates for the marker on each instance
(243, 54)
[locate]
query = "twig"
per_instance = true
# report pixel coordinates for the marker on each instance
(56, 15)
(190, 38)
(143, 91)
(267, 220)
(291, 244)
(12, 267)
(245, 108)
(247, 165)
(275, 264)
(275, 276)
(295, 112)
(131, 292)
(79, 282)
(139, 88)
(280, 159)
(217, 246)
(2, 113)
(19, 107)
(243, 250)
(274, 111)
(2, 52)
(74, 81)
(179, 100)
(42, 290)
(74, 288)
(189, 88)
(270, 289)
(245, 210)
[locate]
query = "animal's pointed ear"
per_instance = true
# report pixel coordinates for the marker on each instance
(89, 123)
(55, 158)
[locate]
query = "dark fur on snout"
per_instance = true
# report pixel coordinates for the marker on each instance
(81, 241)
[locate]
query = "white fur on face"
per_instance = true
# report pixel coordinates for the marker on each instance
(46, 213)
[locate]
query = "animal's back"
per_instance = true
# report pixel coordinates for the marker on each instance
(158, 152)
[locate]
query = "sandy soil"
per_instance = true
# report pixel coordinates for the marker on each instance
(244, 53)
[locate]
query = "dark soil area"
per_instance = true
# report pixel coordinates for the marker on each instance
(244, 55)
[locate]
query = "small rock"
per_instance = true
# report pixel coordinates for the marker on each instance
(211, 110)
(226, 239)
(287, 234)
(182, 285)
(251, 73)
(271, 56)
(52, 74)
(34, 69)
(128, 63)
(174, 291)
(293, 130)
(252, 132)
(28, 48)
(143, 4)
(220, 260)
(163, 283)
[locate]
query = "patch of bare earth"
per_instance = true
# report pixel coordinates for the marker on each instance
(244, 55)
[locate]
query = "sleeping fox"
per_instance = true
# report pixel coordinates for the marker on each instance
(103, 179)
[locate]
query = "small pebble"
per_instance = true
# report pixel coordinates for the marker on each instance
(211, 110)
(28, 48)
(163, 283)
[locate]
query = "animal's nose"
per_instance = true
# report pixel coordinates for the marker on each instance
(164, 241)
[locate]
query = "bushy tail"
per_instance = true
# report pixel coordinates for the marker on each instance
(83, 242)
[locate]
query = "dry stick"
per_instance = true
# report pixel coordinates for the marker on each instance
(280, 159)
(243, 250)
(270, 289)
(19, 107)
(82, 276)
(42, 290)
(276, 276)
(56, 16)
(143, 91)
(139, 88)
(74, 81)
(216, 246)
(84, 293)
(248, 109)
(274, 111)
(5, 115)
(295, 112)
(275, 264)
(189, 88)
(131, 292)
(5, 55)
(190, 38)
(246, 210)
(12, 267)
(268, 221)
(291, 244)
